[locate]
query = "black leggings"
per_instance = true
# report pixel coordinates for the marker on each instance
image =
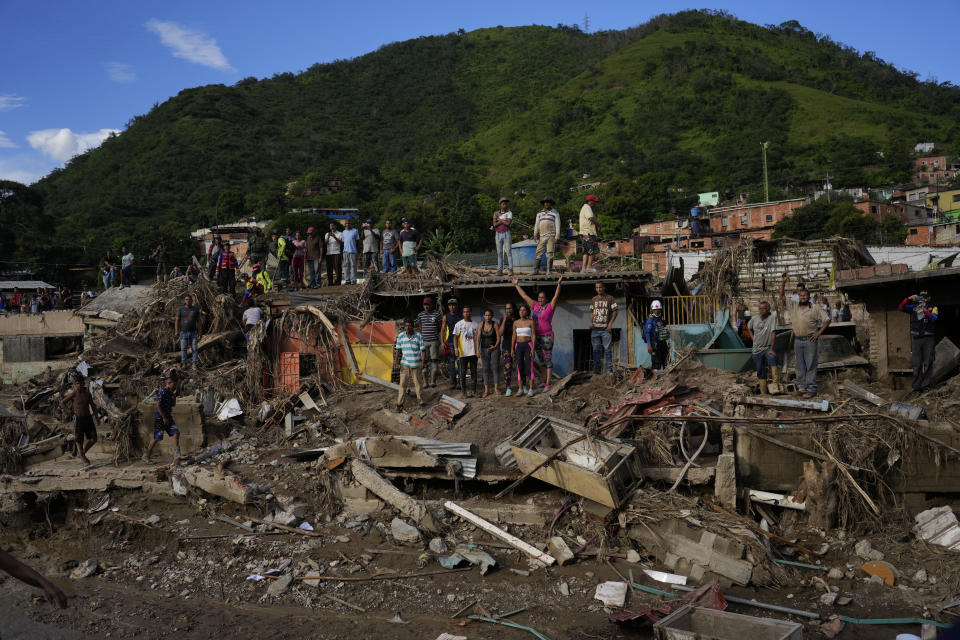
(524, 360)
(468, 362)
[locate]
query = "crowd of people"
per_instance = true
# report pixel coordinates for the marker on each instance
(43, 299)
(500, 350)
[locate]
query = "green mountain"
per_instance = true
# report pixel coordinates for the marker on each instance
(439, 126)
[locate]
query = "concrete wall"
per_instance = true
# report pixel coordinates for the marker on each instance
(48, 323)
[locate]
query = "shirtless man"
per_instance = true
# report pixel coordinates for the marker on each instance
(85, 418)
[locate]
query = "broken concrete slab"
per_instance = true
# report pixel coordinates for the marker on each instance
(611, 594)
(403, 532)
(694, 475)
(279, 586)
(692, 551)
(725, 483)
(558, 549)
(228, 487)
(408, 506)
(187, 415)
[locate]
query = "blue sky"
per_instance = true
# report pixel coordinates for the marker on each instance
(75, 71)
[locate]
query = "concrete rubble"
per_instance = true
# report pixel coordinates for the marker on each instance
(617, 493)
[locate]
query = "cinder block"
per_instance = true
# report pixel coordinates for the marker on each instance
(707, 539)
(847, 274)
(883, 269)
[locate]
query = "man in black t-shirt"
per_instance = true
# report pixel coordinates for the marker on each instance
(187, 326)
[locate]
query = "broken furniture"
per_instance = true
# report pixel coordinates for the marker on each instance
(700, 623)
(603, 470)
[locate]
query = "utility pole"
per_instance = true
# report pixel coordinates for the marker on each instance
(586, 22)
(828, 187)
(766, 184)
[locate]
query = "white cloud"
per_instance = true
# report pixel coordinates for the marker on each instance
(25, 168)
(7, 143)
(63, 144)
(188, 44)
(11, 102)
(120, 72)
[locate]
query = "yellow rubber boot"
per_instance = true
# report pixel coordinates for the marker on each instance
(775, 382)
(763, 387)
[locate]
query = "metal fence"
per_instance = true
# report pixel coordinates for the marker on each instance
(678, 309)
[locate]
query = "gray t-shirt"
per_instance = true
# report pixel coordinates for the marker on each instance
(762, 331)
(188, 317)
(390, 239)
(371, 240)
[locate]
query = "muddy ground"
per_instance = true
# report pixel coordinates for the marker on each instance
(187, 575)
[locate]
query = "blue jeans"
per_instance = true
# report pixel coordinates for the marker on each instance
(504, 247)
(315, 275)
(762, 360)
(806, 356)
(108, 278)
(389, 261)
(349, 267)
(369, 263)
(601, 340)
(188, 339)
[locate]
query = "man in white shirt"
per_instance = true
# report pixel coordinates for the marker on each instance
(502, 220)
(589, 230)
(465, 348)
(546, 231)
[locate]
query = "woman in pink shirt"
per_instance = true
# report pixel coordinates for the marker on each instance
(543, 321)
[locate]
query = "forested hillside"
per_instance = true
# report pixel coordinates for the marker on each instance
(439, 126)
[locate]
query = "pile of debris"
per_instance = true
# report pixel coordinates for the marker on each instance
(612, 499)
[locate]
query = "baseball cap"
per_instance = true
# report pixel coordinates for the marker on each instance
(592, 198)
(548, 199)
(504, 199)
(453, 301)
(311, 230)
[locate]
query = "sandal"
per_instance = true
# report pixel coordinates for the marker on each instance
(485, 393)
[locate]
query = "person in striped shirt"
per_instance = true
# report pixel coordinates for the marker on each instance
(408, 348)
(430, 321)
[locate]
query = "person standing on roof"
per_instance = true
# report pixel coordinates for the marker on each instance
(162, 255)
(299, 261)
(109, 269)
(546, 231)
(284, 256)
(371, 247)
(85, 418)
(410, 242)
(163, 419)
(409, 349)
(351, 243)
(656, 335)
(314, 253)
(213, 256)
(389, 243)
(333, 245)
(227, 271)
(603, 313)
(126, 268)
(589, 232)
(502, 219)
(923, 321)
(761, 329)
(450, 320)
(257, 247)
(430, 321)
(542, 312)
(809, 322)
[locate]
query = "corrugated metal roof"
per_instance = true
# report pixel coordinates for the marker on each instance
(24, 285)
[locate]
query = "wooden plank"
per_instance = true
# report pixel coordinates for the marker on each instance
(497, 532)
